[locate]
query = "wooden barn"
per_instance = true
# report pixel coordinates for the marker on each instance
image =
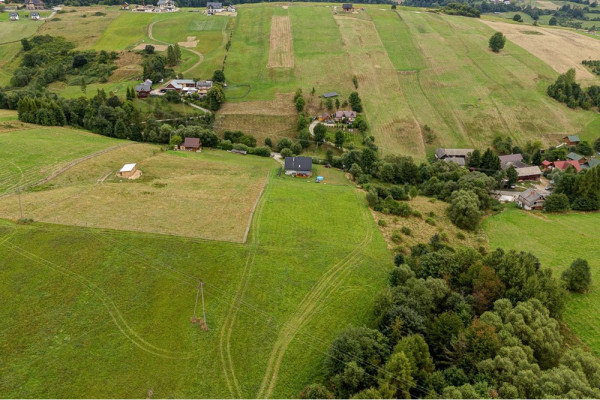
(128, 170)
(191, 144)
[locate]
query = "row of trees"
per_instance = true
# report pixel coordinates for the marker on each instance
(568, 91)
(456, 323)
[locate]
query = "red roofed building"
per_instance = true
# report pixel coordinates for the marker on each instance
(563, 165)
(191, 144)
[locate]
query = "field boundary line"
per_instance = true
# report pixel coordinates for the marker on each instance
(262, 189)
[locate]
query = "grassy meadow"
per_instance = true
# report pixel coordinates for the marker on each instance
(557, 240)
(48, 150)
(106, 313)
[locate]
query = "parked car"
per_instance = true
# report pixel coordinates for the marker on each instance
(163, 90)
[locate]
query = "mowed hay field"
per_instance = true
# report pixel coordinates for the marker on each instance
(106, 313)
(29, 153)
(281, 53)
(550, 45)
(178, 193)
(557, 240)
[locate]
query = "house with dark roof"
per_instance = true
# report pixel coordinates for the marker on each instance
(34, 4)
(179, 84)
(34, 15)
(14, 16)
(330, 94)
(576, 157)
(531, 199)
(453, 155)
(143, 89)
(591, 163)
(214, 7)
(191, 144)
(348, 116)
(571, 140)
(203, 87)
(348, 7)
(298, 166)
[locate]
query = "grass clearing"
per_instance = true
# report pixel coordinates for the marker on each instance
(178, 193)
(48, 149)
(281, 52)
(557, 240)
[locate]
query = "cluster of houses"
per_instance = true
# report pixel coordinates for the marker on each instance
(31, 5)
(161, 6)
(14, 16)
(339, 117)
(182, 86)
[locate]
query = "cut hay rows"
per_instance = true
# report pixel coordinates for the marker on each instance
(281, 49)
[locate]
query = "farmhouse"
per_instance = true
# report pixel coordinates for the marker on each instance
(576, 157)
(34, 4)
(330, 94)
(14, 16)
(572, 140)
(203, 87)
(213, 7)
(128, 170)
(347, 7)
(324, 117)
(298, 166)
(231, 9)
(166, 5)
(531, 199)
(529, 173)
(191, 144)
(125, 6)
(563, 165)
(143, 89)
(34, 15)
(458, 156)
(516, 160)
(349, 116)
(179, 84)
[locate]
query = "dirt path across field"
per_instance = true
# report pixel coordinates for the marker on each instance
(562, 49)
(197, 53)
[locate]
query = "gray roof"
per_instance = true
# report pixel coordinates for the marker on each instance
(14, 14)
(345, 114)
(574, 156)
(330, 94)
(346, 5)
(214, 5)
(298, 164)
(509, 159)
(573, 138)
(531, 196)
(34, 14)
(204, 84)
(529, 171)
(444, 153)
(459, 160)
(593, 162)
(145, 86)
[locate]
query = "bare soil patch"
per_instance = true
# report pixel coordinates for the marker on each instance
(157, 47)
(281, 50)
(190, 43)
(560, 48)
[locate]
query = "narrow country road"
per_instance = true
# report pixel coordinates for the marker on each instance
(198, 107)
(200, 56)
(311, 129)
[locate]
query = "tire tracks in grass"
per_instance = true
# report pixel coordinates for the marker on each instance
(310, 305)
(231, 316)
(197, 53)
(107, 302)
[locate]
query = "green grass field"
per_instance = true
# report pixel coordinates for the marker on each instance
(106, 313)
(48, 150)
(557, 240)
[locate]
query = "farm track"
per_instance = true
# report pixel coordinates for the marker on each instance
(197, 53)
(107, 302)
(227, 329)
(310, 305)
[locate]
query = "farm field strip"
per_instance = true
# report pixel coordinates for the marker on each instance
(281, 52)
(526, 231)
(392, 121)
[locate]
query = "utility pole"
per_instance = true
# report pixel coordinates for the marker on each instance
(195, 319)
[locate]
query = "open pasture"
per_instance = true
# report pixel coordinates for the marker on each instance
(109, 311)
(48, 150)
(562, 49)
(178, 193)
(557, 240)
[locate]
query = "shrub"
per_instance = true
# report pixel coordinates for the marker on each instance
(398, 193)
(578, 277)
(430, 221)
(460, 235)
(406, 230)
(286, 153)
(399, 259)
(396, 237)
(364, 179)
(261, 151)
(241, 147)
(226, 145)
(382, 223)
(556, 202)
(497, 42)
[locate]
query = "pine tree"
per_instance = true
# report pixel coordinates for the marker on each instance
(171, 58)
(177, 52)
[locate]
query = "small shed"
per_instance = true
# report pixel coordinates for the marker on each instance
(347, 7)
(191, 144)
(298, 166)
(330, 94)
(14, 16)
(128, 170)
(571, 140)
(34, 15)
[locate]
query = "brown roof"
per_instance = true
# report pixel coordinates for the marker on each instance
(191, 142)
